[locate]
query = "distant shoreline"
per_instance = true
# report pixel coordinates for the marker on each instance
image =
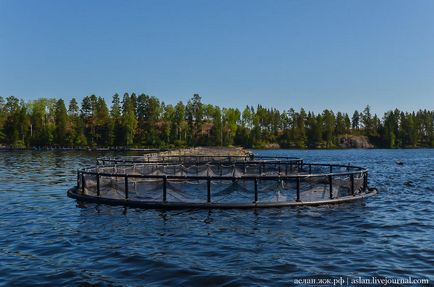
(150, 150)
(49, 148)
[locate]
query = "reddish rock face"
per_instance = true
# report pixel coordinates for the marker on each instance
(352, 141)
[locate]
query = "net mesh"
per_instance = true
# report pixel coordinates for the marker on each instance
(219, 182)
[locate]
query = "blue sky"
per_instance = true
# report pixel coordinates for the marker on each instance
(341, 55)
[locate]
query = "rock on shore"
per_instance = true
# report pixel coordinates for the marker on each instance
(351, 141)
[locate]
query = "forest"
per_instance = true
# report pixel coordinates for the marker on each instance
(145, 121)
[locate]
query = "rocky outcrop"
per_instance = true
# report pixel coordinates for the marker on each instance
(351, 141)
(207, 151)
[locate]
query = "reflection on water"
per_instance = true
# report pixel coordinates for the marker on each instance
(47, 238)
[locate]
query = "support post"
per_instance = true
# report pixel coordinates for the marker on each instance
(126, 186)
(78, 178)
(256, 190)
(97, 185)
(352, 184)
(208, 185)
(233, 173)
(298, 188)
(365, 181)
(165, 189)
(331, 186)
(310, 168)
(82, 183)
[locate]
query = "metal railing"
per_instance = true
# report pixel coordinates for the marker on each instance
(288, 170)
(196, 159)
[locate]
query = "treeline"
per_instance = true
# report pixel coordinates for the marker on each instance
(145, 121)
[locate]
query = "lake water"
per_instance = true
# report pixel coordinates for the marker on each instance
(47, 239)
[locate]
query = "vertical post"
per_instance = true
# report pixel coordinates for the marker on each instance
(286, 169)
(126, 186)
(97, 185)
(331, 168)
(290, 166)
(298, 188)
(365, 181)
(78, 178)
(208, 185)
(352, 184)
(331, 186)
(233, 172)
(165, 189)
(310, 168)
(82, 183)
(256, 190)
(279, 166)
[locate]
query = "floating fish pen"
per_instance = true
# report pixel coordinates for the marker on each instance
(191, 181)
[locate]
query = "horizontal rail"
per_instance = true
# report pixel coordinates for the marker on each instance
(74, 193)
(118, 162)
(180, 158)
(351, 170)
(223, 177)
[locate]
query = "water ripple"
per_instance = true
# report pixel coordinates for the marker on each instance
(47, 239)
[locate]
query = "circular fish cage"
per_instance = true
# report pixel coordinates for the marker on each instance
(174, 182)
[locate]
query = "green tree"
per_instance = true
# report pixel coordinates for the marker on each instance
(355, 123)
(103, 125)
(116, 137)
(76, 135)
(11, 125)
(194, 113)
(230, 119)
(329, 124)
(179, 125)
(129, 120)
(61, 123)
(42, 114)
(148, 113)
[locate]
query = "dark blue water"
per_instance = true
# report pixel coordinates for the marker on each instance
(46, 239)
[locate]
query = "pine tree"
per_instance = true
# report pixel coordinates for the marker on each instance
(129, 120)
(61, 122)
(116, 137)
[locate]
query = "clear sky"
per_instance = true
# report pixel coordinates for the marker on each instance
(341, 55)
